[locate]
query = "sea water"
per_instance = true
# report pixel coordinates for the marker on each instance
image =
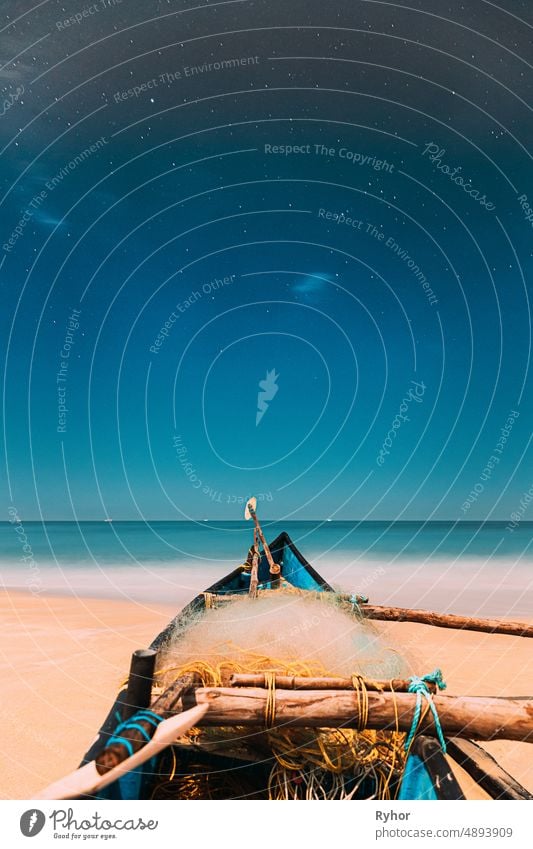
(463, 567)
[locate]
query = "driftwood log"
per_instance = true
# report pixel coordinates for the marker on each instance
(296, 682)
(460, 716)
(447, 620)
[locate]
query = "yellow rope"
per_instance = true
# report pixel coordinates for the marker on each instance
(394, 751)
(335, 752)
(359, 686)
(270, 705)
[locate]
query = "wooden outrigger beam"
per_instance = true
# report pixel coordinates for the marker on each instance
(423, 617)
(460, 716)
(447, 620)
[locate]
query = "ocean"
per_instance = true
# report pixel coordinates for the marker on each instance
(470, 568)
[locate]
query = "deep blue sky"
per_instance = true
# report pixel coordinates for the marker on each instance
(186, 189)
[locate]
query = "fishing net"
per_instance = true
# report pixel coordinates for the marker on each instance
(287, 632)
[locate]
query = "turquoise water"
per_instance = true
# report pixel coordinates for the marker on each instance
(465, 567)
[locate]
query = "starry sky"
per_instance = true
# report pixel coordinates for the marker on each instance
(263, 247)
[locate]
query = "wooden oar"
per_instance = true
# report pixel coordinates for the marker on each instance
(249, 513)
(87, 781)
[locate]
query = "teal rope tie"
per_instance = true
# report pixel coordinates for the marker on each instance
(420, 687)
(133, 722)
(356, 599)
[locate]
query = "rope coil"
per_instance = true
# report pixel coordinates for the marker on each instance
(133, 724)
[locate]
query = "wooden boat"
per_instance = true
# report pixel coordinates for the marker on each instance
(467, 771)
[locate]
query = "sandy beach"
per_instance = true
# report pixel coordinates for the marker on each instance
(63, 660)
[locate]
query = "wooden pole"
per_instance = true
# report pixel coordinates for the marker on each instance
(460, 716)
(447, 620)
(274, 568)
(295, 682)
(254, 579)
(138, 693)
(223, 598)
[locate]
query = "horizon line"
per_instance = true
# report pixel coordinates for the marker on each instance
(203, 520)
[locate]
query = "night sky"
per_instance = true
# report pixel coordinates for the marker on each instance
(280, 248)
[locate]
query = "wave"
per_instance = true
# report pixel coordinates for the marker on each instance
(470, 586)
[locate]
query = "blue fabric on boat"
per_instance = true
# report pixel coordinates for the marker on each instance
(294, 572)
(416, 781)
